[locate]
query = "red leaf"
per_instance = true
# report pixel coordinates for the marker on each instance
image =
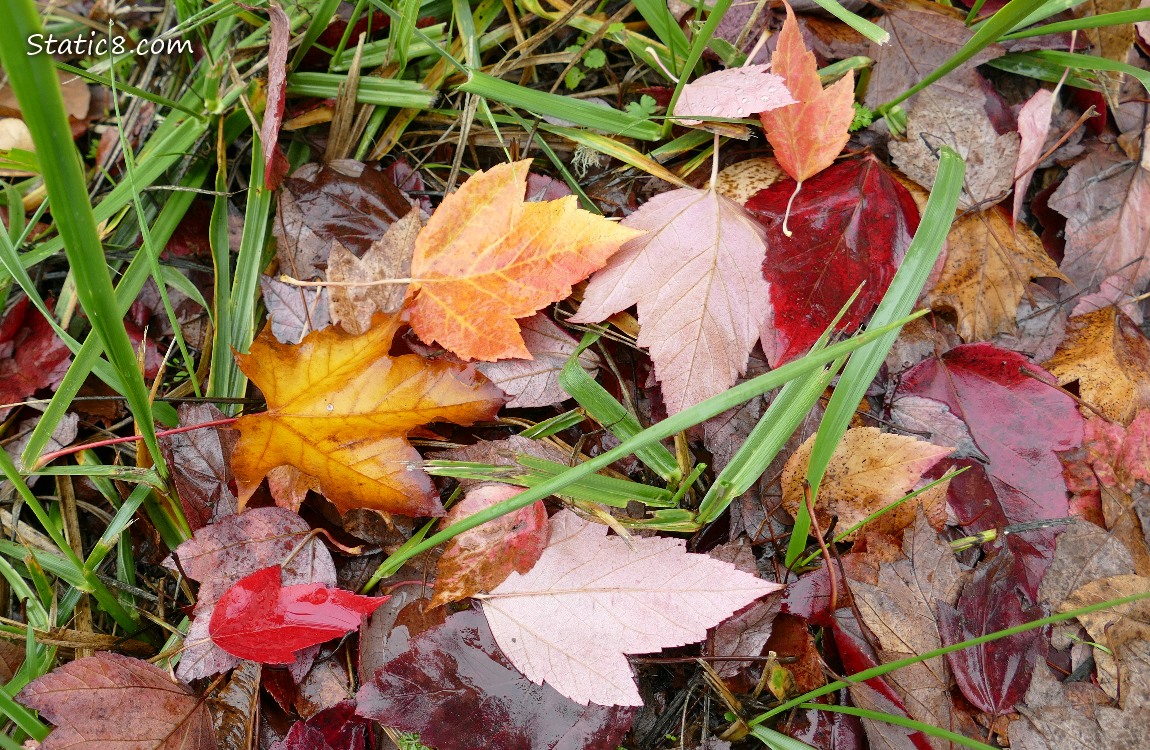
(335, 728)
(275, 164)
(109, 700)
(851, 223)
(31, 357)
(456, 689)
(260, 619)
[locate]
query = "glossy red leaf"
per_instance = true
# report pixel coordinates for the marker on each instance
(31, 356)
(995, 675)
(335, 728)
(262, 620)
(454, 687)
(850, 224)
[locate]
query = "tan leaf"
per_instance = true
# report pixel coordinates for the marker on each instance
(1113, 626)
(388, 258)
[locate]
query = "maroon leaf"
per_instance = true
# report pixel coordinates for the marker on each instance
(995, 675)
(275, 163)
(850, 224)
(260, 619)
(827, 730)
(455, 688)
(335, 728)
(203, 481)
(109, 700)
(31, 356)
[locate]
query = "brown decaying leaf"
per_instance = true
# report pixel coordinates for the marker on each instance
(869, 470)
(1110, 358)
(235, 705)
(1114, 626)
(1084, 553)
(900, 611)
(388, 258)
(77, 97)
(702, 318)
(294, 311)
(339, 411)
(933, 420)
(988, 267)
(950, 120)
(109, 700)
(487, 257)
(204, 475)
(535, 382)
(747, 631)
(279, 36)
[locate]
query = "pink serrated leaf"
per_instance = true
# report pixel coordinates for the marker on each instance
(1033, 127)
(535, 382)
(592, 599)
(736, 92)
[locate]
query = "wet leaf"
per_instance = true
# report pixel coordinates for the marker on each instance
(535, 382)
(335, 728)
(702, 318)
(869, 470)
(850, 225)
(1033, 127)
(235, 705)
(456, 689)
(807, 136)
(294, 311)
(339, 410)
(480, 559)
(109, 700)
(388, 258)
(735, 92)
(204, 476)
(1115, 626)
(487, 257)
(591, 599)
(260, 619)
(279, 36)
(31, 356)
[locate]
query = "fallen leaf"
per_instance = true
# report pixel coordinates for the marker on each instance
(1033, 127)
(486, 257)
(534, 382)
(702, 318)
(747, 631)
(458, 692)
(260, 619)
(279, 36)
(1112, 41)
(339, 410)
(235, 705)
(203, 477)
(933, 421)
(950, 120)
(591, 599)
(869, 470)
(388, 258)
(850, 225)
(14, 134)
(334, 728)
(989, 265)
(11, 657)
(1084, 553)
(31, 355)
(741, 180)
(294, 311)
(900, 611)
(735, 92)
(1107, 229)
(345, 201)
(482, 558)
(77, 97)
(807, 136)
(1109, 357)
(994, 675)
(109, 700)
(1040, 325)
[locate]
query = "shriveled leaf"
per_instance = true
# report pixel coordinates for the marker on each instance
(388, 258)
(848, 226)
(1107, 228)
(807, 136)
(109, 700)
(260, 619)
(591, 599)
(334, 728)
(1109, 357)
(989, 264)
(534, 382)
(235, 707)
(735, 92)
(486, 257)
(900, 610)
(1033, 128)
(339, 410)
(995, 675)
(456, 689)
(869, 470)
(482, 558)
(294, 311)
(31, 356)
(279, 36)
(701, 319)
(204, 474)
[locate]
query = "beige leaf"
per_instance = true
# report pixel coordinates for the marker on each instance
(387, 258)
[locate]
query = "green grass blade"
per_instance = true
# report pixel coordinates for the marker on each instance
(778, 740)
(323, 14)
(872, 32)
(899, 299)
(1026, 64)
(382, 92)
(1086, 22)
(1077, 61)
(664, 25)
(902, 721)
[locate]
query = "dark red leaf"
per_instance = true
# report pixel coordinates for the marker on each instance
(455, 688)
(850, 224)
(995, 675)
(827, 730)
(275, 164)
(335, 728)
(204, 476)
(31, 356)
(260, 619)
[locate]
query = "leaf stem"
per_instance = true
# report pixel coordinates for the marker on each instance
(48, 458)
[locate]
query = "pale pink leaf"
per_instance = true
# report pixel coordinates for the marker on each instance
(535, 382)
(1033, 127)
(735, 92)
(696, 276)
(592, 599)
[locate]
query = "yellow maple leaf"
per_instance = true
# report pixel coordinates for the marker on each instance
(339, 411)
(487, 257)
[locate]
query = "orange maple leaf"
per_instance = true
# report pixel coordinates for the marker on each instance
(809, 135)
(339, 411)
(486, 257)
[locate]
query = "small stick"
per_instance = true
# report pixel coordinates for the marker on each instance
(48, 458)
(378, 282)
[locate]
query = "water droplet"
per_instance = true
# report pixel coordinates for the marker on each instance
(743, 99)
(331, 407)
(741, 111)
